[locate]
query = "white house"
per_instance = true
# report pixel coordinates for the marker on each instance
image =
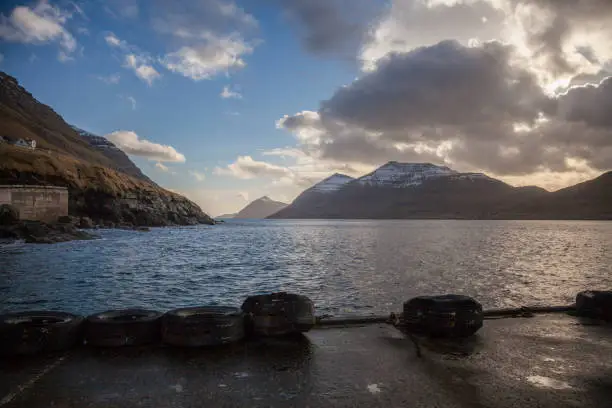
(29, 143)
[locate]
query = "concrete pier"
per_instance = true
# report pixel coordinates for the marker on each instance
(550, 361)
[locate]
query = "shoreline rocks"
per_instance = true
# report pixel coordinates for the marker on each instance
(38, 232)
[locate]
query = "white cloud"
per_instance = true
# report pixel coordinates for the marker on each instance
(130, 143)
(110, 79)
(114, 41)
(214, 56)
(141, 68)
(83, 30)
(227, 93)
(39, 25)
(161, 167)
(198, 175)
(246, 168)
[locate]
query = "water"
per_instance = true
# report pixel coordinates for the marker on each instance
(346, 267)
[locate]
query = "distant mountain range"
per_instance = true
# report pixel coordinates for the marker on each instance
(261, 208)
(423, 190)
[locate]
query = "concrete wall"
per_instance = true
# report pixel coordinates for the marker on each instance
(44, 203)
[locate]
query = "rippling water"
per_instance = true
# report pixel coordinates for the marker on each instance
(346, 267)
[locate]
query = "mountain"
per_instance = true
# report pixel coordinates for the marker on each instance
(590, 200)
(313, 202)
(120, 161)
(423, 190)
(233, 215)
(261, 208)
(97, 188)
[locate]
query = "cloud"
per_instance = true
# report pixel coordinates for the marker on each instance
(227, 93)
(479, 108)
(197, 175)
(39, 25)
(130, 99)
(190, 19)
(246, 168)
(82, 30)
(114, 41)
(331, 26)
(139, 64)
(408, 24)
(161, 167)
(130, 143)
(134, 59)
(63, 57)
(214, 55)
(213, 36)
(110, 79)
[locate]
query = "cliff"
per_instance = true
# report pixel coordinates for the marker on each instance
(97, 187)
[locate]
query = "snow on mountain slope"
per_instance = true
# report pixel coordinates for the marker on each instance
(331, 184)
(394, 174)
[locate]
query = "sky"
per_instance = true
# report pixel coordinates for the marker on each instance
(225, 101)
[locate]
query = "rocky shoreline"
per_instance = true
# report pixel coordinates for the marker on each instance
(38, 232)
(64, 229)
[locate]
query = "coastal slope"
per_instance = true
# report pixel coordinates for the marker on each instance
(107, 190)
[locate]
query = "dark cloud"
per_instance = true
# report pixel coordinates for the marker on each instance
(475, 108)
(591, 104)
(326, 26)
(442, 85)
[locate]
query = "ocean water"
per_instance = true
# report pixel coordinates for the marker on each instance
(346, 267)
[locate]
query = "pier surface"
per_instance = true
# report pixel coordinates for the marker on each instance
(547, 361)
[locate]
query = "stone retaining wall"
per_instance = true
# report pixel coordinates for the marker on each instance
(43, 203)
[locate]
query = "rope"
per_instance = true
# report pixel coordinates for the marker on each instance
(394, 319)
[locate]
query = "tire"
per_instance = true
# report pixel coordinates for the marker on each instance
(451, 316)
(27, 333)
(595, 303)
(127, 327)
(278, 314)
(203, 326)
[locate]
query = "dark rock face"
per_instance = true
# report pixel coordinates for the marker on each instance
(37, 232)
(143, 209)
(8, 214)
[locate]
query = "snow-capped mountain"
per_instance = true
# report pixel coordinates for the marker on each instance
(409, 190)
(398, 175)
(331, 184)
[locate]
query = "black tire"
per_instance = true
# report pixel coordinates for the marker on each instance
(203, 326)
(451, 316)
(278, 314)
(35, 332)
(595, 303)
(127, 327)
